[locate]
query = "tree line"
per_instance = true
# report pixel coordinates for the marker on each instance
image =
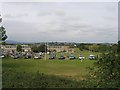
(98, 47)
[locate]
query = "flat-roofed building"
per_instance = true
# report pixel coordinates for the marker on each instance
(26, 48)
(61, 49)
(13, 48)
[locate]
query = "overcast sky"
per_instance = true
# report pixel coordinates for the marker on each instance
(67, 22)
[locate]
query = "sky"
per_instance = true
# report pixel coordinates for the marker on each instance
(94, 22)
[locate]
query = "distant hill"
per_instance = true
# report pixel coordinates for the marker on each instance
(16, 42)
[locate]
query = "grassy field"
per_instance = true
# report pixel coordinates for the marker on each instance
(70, 68)
(26, 72)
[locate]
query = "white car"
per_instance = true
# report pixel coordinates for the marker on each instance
(2, 56)
(37, 57)
(92, 57)
(81, 57)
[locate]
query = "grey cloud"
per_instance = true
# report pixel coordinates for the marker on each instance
(112, 6)
(19, 15)
(8, 16)
(108, 18)
(51, 12)
(20, 31)
(59, 13)
(107, 34)
(44, 13)
(66, 22)
(17, 30)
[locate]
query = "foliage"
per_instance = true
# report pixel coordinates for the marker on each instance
(108, 70)
(40, 48)
(19, 48)
(4, 43)
(107, 73)
(3, 35)
(98, 47)
(107, 48)
(34, 48)
(81, 46)
(118, 50)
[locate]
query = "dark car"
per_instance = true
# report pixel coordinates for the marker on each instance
(72, 56)
(15, 56)
(28, 55)
(62, 57)
(52, 56)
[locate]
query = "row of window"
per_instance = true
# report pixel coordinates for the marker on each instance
(16, 46)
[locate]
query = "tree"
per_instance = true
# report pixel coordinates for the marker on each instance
(3, 35)
(94, 48)
(108, 70)
(81, 46)
(34, 48)
(19, 48)
(42, 48)
(118, 50)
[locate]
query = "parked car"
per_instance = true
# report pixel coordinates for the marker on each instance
(62, 57)
(28, 55)
(37, 57)
(81, 57)
(52, 56)
(2, 56)
(15, 56)
(72, 56)
(92, 57)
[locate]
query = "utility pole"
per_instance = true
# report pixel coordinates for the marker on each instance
(45, 50)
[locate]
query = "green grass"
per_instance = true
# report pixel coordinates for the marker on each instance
(69, 68)
(14, 79)
(24, 72)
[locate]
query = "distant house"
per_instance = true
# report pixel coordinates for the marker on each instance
(13, 48)
(9, 48)
(26, 48)
(61, 49)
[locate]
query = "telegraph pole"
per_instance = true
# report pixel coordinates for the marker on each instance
(45, 50)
